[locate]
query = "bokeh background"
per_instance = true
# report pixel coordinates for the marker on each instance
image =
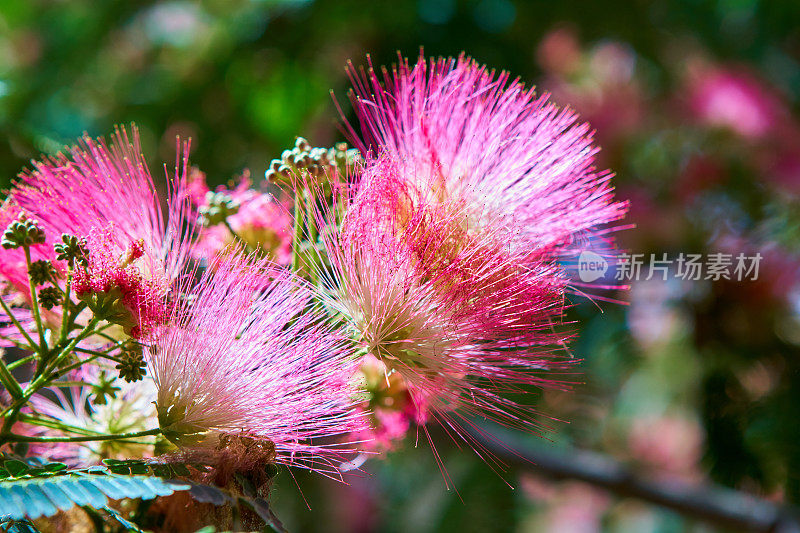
(695, 104)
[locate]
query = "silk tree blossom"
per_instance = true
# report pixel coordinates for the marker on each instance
(102, 189)
(423, 327)
(115, 289)
(249, 356)
(504, 156)
(495, 291)
(484, 185)
(261, 221)
(98, 184)
(132, 409)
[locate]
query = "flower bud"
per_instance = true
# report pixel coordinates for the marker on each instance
(22, 232)
(49, 297)
(71, 248)
(132, 365)
(219, 206)
(41, 272)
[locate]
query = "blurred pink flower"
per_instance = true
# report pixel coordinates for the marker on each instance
(560, 52)
(572, 507)
(734, 99)
(599, 83)
(262, 221)
(672, 444)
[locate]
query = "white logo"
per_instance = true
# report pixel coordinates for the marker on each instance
(591, 266)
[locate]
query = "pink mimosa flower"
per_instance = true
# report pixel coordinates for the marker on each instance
(248, 355)
(503, 155)
(99, 189)
(130, 410)
(96, 185)
(455, 357)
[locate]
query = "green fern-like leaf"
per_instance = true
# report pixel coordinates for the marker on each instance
(34, 497)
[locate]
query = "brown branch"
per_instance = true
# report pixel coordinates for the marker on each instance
(717, 505)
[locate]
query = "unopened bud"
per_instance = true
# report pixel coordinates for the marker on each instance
(41, 272)
(71, 248)
(219, 206)
(49, 297)
(22, 232)
(132, 366)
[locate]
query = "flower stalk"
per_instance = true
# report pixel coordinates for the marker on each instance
(34, 299)
(12, 437)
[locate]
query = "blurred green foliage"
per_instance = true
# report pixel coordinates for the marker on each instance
(697, 381)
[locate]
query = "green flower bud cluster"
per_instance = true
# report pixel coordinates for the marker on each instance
(316, 161)
(22, 232)
(49, 297)
(71, 248)
(41, 272)
(218, 207)
(132, 366)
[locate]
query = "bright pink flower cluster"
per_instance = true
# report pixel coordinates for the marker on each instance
(251, 356)
(437, 286)
(446, 260)
(460, 131)
(116, 290)
(97, 185)
(105, 195)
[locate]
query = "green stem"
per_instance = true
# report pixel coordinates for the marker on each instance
(298, 231)
(14, 320)
(310, 222)
(69, 384)
(54, 424)
(20, 362)
(34, 299)
(20, 345)
(73, 366)
(75, 312)
(65, 306)
(85, 332)
(12, 437)
(102, 354)
(8, 380)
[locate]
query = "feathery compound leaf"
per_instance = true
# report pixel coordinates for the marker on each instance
(127, 524)
(44, 496)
